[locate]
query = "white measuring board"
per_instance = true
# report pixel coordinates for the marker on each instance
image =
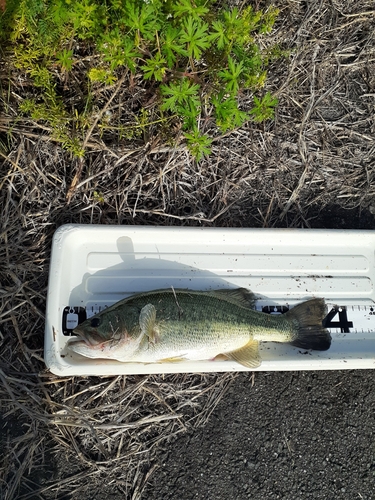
(93, 267)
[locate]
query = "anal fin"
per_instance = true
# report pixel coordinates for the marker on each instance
(172, 359)
(248, 355)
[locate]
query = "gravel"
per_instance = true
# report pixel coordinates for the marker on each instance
(290, 435)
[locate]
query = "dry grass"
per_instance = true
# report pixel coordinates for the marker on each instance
(88, 431)
(62, 438)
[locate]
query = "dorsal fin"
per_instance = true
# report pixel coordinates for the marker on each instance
(237, 296)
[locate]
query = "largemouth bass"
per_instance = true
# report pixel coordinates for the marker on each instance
(176, 325)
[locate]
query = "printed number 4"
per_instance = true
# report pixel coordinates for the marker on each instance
(342, 323)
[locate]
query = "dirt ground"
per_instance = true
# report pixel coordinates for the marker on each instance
(275, 435)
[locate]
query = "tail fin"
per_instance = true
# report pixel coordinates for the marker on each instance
(311, 334)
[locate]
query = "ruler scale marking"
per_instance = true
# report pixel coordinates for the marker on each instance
(354, 319)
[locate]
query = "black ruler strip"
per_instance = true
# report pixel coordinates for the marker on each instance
(73, 316)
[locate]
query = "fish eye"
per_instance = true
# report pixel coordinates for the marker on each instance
(95, 322)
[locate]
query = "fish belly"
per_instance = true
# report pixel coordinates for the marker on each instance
(193, 342)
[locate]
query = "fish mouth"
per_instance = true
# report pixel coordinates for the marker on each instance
(90, 349)
(90, 339)
(81, 347)
(77, 342)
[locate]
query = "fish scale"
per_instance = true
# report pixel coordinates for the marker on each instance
(165, 325)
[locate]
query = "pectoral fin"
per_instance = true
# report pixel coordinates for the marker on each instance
(147, 323)
(247, 355)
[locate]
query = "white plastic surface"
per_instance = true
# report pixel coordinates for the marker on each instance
(98, 265)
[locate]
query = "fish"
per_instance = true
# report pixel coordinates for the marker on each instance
(172, 325)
